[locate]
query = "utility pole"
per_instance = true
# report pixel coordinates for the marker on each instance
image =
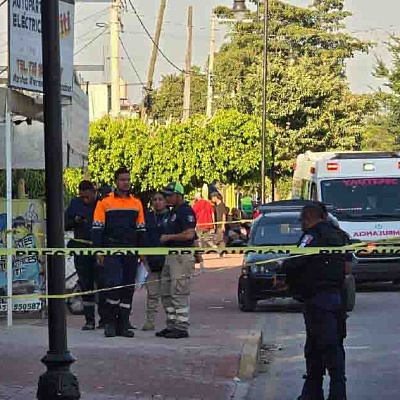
(264, 114)
(58, 382)
(153, 59)
(239, 10)
(9, 208)
(210, 87)
(114, 57)
(188, 66)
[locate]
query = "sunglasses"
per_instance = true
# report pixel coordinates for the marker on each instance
(158, 199)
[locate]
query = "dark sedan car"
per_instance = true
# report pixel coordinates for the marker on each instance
(262, 277)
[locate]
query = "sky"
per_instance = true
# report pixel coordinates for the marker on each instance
(372, 20)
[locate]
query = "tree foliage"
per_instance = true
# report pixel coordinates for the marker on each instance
(225, 148)
(309, 103)
(390, 98)
(309, 106)
(34, 183)
(168, 99)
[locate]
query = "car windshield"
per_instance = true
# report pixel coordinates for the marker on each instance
(363, 196)
(274, 231)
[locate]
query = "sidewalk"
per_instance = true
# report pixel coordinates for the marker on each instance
(205, 366)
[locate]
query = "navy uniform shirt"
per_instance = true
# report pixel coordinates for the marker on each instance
(155, 227)
(77, 208)
(318, 273)
(181, 219)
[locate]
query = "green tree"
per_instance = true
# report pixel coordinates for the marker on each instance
(390, 97)
(377, 136)
(34, 183)
(168, 99)
(309, 102)
(117, 142)
(72, 178)
(225, 149)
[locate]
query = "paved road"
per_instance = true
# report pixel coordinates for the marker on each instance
(373, 348)
(202, 367)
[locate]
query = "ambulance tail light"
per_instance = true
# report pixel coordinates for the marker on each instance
(398, 165)
(331, 166)
(295, 165)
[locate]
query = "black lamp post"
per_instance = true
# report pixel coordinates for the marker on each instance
(239, 9)
(58, 382)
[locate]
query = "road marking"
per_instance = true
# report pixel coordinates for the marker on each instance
(357, 347)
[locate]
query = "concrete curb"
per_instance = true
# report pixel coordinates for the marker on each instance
(250, 356)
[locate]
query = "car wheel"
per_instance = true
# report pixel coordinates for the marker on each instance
(75, 304)
(350, 292)
(245, 302)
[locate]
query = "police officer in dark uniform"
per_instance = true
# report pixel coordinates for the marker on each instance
(318, 280)
(79, 218)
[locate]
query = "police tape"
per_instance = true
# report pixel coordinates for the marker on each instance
(108, 289)
(284, 253)
(358, 249)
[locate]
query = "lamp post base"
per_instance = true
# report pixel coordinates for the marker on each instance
(58, 382)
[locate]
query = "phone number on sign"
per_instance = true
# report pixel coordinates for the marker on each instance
(22, 307)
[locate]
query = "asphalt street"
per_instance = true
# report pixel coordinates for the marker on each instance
(204, 366)
(372, 347)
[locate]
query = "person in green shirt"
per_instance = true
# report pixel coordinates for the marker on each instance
(247, 205)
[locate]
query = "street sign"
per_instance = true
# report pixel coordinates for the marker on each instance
(25, 45)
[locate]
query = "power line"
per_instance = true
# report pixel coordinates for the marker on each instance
(91, 16)
(155, 44)
(91, 41)
(131, 62)
(84, 35)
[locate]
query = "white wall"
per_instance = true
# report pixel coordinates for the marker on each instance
(28, 141)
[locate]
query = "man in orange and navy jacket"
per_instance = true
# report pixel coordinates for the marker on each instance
(119, 222)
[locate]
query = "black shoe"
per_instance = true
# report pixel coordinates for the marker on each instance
(109, 331)
(164, 332)
(127, 334)
(101, 325)
(131, 327)
(89, 326)
(177, 334)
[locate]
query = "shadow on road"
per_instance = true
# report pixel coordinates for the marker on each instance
(279, 306)
(377, 287)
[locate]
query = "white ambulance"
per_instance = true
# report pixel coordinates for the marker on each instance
(364, 187)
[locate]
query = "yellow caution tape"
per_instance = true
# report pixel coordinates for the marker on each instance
(381, 248)
(90, 292)
(388, 249)
(360, 248)
(241, 221)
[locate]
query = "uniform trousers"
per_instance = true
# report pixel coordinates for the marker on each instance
(89, 276)
(119, 271)
(153, 286)
(175, 290)
(325, 330)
